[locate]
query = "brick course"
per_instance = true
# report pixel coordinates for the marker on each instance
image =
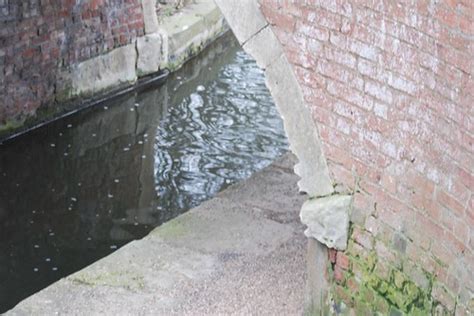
(390, 85)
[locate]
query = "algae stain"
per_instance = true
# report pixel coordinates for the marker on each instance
(172, 229)
(10, 125)
(125, 279)
(397, 293)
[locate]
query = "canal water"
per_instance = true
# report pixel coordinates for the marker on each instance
(76, 190)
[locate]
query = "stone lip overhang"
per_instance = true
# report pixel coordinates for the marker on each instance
(327, 219)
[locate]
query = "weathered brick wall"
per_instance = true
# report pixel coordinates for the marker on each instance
(40, 37)
(390, 86)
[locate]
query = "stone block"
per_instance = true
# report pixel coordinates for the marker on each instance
(150, 54)
(149, 16)
(328, 220)
(264, 47)
(105, 71)
(236, 11)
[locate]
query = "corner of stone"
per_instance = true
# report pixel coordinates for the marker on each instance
(327, 219)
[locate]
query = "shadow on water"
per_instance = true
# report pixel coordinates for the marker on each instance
(76, 190)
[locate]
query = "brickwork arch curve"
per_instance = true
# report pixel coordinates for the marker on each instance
(325, 214)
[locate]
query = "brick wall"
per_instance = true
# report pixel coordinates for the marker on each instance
(390, 86)
(40, 37)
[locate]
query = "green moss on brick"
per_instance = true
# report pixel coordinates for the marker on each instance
(393, 293)
(398, 279)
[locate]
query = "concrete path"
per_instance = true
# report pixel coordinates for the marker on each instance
(241, 253)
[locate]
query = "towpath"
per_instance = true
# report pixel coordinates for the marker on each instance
(242, 252)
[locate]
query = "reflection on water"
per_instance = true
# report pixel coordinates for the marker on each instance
(78, 189)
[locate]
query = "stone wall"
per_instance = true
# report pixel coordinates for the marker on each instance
(389, 86)
(55, 53)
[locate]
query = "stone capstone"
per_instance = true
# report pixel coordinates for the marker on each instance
(105, 71)
(327, 219)
(150, 55)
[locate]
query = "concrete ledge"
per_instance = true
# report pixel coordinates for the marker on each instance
(317, 286)
(105, 71)
(239, 253)
(189, 30)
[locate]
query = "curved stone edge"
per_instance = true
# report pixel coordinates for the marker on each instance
(257, 39)
(300, 129)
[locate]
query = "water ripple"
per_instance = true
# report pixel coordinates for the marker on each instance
(217, 136)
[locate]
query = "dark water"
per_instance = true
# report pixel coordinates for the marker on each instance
(76, 190)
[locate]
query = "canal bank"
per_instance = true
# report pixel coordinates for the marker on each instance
(241, 252)
(166, 40)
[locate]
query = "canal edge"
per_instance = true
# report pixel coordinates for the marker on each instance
(165, 47)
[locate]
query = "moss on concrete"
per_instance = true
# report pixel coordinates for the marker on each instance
(10, 125)
(173, 228)
(123, 278)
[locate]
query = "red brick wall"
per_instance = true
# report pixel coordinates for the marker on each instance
(390, 85)
(39, 37)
